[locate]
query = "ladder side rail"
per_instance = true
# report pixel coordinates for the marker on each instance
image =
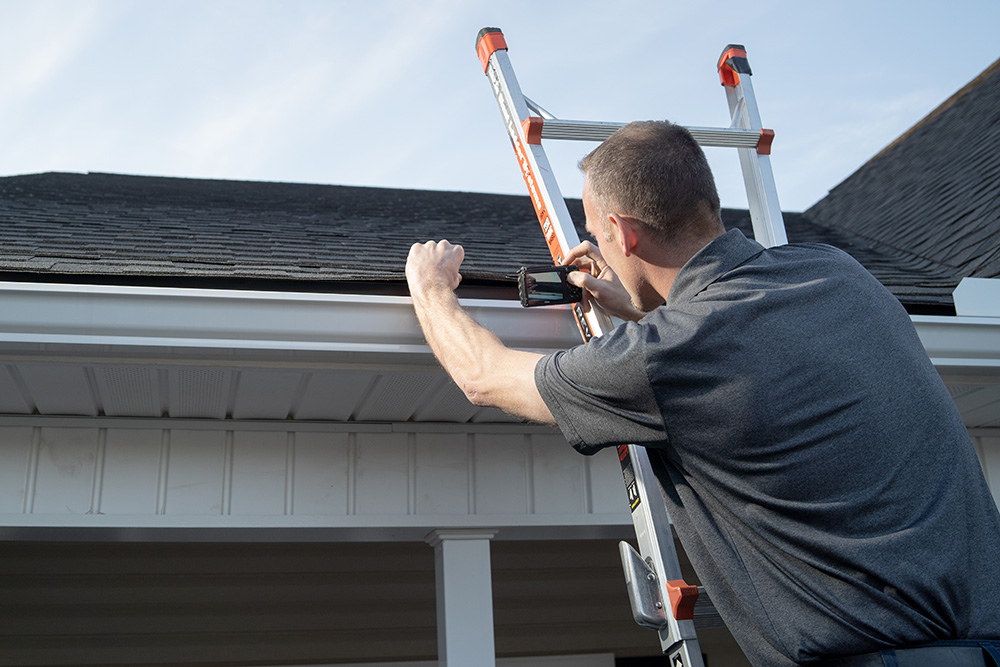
(762, 193)
(550, 207)
(656, 545)
(652, 525)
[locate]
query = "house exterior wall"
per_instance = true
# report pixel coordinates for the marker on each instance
(356, 481)
(383, 487)
(371, 492)
(350, 481)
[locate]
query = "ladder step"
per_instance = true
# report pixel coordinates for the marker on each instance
(585, 130)
(705, 614)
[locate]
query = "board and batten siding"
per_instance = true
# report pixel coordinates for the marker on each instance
(82, 472)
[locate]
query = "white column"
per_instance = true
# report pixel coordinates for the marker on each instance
(464, 597)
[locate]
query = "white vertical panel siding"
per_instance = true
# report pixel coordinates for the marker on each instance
(195, 472)
(321, 473)
(260, 471)
(607, 491)
(441, 473)
(64, 472)
(558, 476)
(382, 474)
(131, 471)
(145, 471)
(500, 471)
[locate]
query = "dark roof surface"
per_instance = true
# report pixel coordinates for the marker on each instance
(933, 195)
(152, 230)
(105, 224)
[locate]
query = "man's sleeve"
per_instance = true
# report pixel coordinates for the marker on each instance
(600, 394)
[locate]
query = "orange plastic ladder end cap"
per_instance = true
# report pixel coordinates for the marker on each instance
(764, 143)
(490, 40)
(682, 599)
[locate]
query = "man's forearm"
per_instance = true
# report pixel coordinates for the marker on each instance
(488, 372)
(456, 339)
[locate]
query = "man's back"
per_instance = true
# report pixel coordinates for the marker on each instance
(815, 467)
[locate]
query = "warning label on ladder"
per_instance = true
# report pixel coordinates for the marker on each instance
(629, 474)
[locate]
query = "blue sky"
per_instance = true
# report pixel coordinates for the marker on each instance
(391, 94)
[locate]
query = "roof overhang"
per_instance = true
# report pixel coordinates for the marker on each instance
(151, 327)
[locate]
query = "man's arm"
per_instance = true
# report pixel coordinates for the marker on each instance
(487, 371)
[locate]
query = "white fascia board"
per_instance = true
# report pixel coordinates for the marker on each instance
(153, 317)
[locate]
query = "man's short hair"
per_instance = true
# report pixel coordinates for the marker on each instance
(656, 172)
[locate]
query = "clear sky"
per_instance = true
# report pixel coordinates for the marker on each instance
(391, 94)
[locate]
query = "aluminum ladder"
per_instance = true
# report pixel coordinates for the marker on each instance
(660, 598)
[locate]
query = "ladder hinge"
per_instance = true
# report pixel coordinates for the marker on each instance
(643, 589)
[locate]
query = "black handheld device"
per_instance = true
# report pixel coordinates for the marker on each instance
(546, 286)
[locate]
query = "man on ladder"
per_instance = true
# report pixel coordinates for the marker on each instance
(813, 463)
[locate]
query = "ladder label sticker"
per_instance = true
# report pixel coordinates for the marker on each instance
(581, 321)
(629, 474)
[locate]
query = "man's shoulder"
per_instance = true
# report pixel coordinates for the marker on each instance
(802, 262)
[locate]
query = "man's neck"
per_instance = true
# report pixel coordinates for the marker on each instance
(663, 264)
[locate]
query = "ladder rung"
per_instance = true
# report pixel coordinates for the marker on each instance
(585, 130)
(705, 614)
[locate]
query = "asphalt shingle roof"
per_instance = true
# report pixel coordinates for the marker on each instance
(933, 195)
(100, 227)
(104, 224)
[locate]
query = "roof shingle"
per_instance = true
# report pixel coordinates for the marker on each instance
(934, 193)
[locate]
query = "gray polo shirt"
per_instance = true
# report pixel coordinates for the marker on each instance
(814, 465)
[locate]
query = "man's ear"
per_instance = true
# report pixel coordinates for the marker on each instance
(625, 231)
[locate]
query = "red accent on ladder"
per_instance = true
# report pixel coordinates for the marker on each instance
(536, 199)
(764, 143)
(727, 74)
(682, 599)
(532, 126)
(488, 43)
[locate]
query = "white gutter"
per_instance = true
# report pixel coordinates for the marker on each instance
(955, 343)
(97, 315)
(49, 316)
